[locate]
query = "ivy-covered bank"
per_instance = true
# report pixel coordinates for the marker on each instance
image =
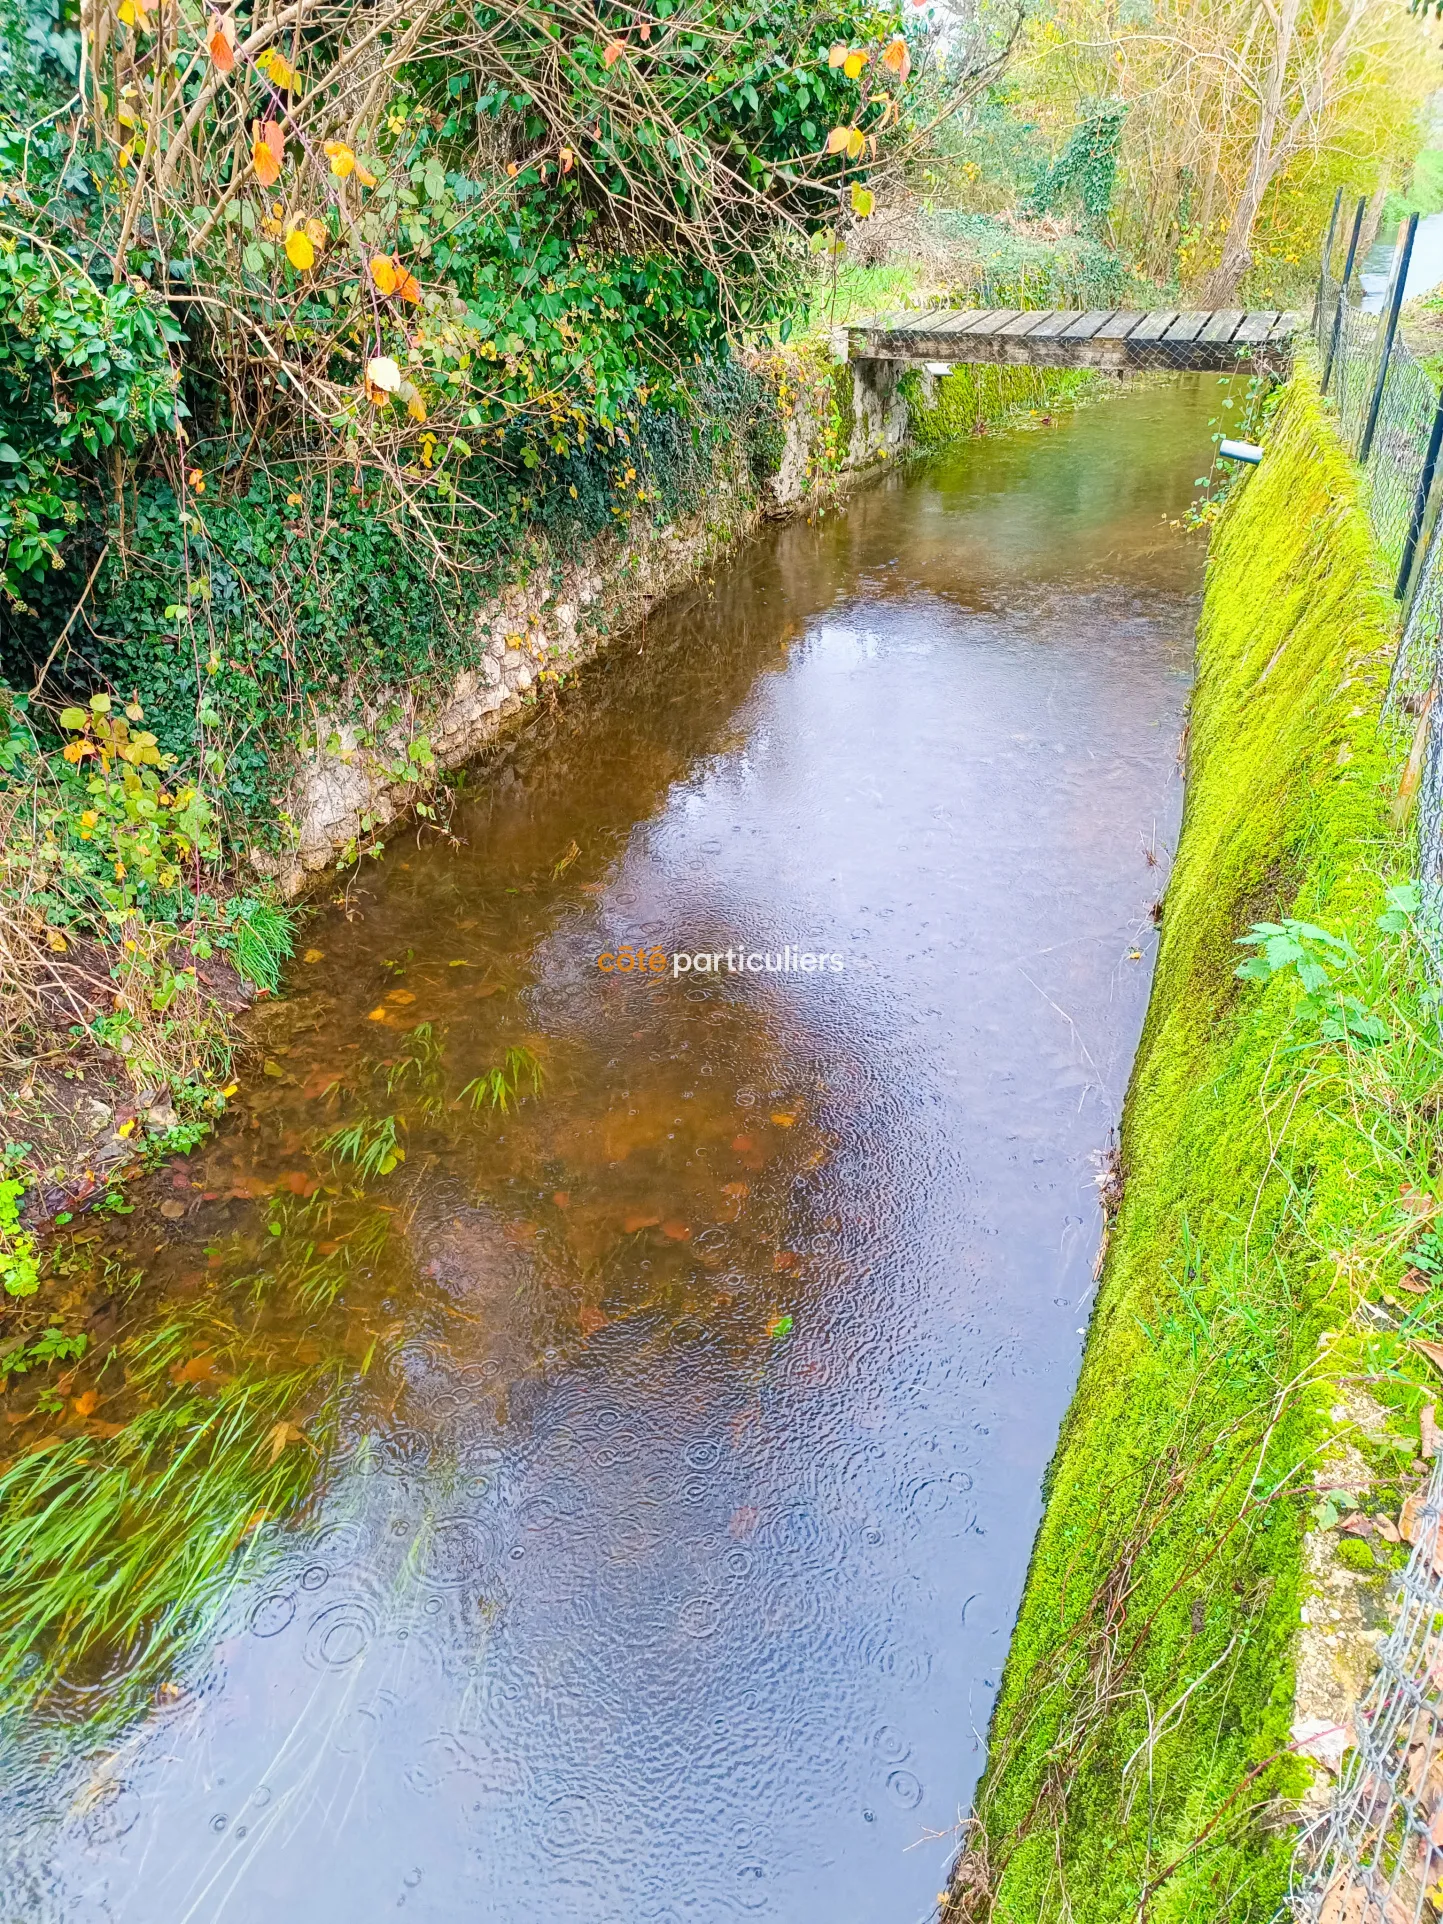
(345, 680)
(1278, 1170)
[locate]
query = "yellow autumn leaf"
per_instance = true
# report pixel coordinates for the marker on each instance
(415, 406)
(366, 178)
(278, 71)
(299, 250)
(383, 373)
(343, 161)
(863, 201)
(316, 233)
(854, 62)
(856, 141)
(896, 56)
(383, 273)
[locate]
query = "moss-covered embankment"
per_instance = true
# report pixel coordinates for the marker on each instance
(1276, 1170)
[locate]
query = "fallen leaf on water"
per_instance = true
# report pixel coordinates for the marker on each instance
(779, 1326)
(783, 1120)
(785, 1259)
(172, 1210)
(400, 997)
(562, 1199)
(377, 1015)
(519, 1232)
(630, 1224)
(298, 1182)
(742, 1144)
(171, 1692)
(200, 1369)
(272, 1069)
(743, 1521)
(677, 1232)
(736, 1189)
(41, 1443)
(86, 1402)
(591, 1320)
(282, 1434)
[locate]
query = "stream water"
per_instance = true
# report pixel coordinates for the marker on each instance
(693, 1407)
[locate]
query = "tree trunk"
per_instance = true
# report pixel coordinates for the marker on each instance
(1220, 287)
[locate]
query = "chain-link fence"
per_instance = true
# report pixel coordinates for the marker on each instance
(1376, 1856)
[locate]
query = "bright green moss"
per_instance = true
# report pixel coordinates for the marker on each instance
(971, 399)
(1138, 1750)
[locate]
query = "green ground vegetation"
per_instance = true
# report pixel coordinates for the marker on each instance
(1277, 1167)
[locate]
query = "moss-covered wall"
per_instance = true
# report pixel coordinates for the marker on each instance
(1140, 1760)
(971, 399)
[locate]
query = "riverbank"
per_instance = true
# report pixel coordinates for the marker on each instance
(122, 995)
(1269, 1234)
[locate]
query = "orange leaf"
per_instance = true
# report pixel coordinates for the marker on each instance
(631, 1224)
(200, 1369)
(676, 1232)
(568, 160)
(612, 52)
(897, 57)
(407, 286)
(837, 140)
(836, 53)
(268, 150)
(591, 1320)
(220, 42)
(85, 1404)
(383, 274)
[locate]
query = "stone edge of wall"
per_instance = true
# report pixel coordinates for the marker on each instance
(347, 788)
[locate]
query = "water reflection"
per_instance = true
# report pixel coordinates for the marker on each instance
(694, 1365)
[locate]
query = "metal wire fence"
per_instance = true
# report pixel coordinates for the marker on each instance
(1376, 1855)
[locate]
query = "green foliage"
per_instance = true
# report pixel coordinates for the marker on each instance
(1354, 1554)
(972, 399)
(18, 1357)
(1017, 269)
(83, 370)
(257, 934)
(1142, 1733)
(19, 1265)
(1085, 170)
(370, 1143)
(502, 1087)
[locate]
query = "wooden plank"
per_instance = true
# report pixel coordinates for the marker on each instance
(1222, 325)
(1152, 327)
(947, 320)
(922, 323)
(1056, 323)
(993, 323)
(1087, 324)
(1255, 328)
(1187, 326)
(1025, 322)
(1285, 327)
(1120, 325)
(969, 319)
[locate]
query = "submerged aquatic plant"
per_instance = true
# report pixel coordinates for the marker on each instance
(502, 1087)
(370, 1143)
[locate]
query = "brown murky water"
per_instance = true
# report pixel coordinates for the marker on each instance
(691, 1409)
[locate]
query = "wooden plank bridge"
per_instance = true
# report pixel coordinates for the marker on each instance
(1223, 341)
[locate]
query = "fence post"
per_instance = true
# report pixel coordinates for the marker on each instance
(1343, 291)
(1420, 501)
(1324, 265)
(1395, 301)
